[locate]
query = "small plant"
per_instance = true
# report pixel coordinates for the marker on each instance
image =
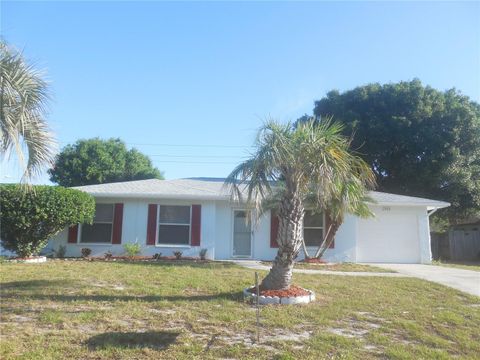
(86, 252)
(108, 255)
(178, 254)
(203, 254)
(61, 251)
(157, 256)
(132, 249)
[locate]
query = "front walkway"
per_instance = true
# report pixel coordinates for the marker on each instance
(460, 279)
(257, 265)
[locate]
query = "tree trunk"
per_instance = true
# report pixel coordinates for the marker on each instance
(289, 239)
(329, 237)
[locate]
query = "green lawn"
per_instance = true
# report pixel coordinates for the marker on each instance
(348, 267)
(98, 310)
(475, 266)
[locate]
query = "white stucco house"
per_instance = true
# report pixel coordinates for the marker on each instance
(192, 214)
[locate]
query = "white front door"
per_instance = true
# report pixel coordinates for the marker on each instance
(242, 234)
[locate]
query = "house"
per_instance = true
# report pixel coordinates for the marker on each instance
(191, 214)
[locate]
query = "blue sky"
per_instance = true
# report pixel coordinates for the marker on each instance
(189, 83)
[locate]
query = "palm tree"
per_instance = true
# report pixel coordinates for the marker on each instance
(350, 197)
(310, 160)
(23, 101)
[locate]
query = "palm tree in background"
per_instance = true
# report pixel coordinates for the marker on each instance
(23, 100)
(307, 164)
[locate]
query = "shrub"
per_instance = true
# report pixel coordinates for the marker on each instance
(157, 256)
(203, 254)
(61, 251)
(178, 254)
(132, 249)
(31, 216)
(86, 252)
(108, 255)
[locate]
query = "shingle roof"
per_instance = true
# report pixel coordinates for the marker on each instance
(214, 189)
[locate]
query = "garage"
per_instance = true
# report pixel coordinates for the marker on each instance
(392, 236)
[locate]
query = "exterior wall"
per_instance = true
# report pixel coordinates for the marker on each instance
(134, 229)
(344, 249)
(397, 234)
(400, 234)
(345, 243)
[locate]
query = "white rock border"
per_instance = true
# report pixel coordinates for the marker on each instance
(293, 300)
(32, 260)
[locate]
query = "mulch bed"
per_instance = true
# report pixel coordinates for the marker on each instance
(292, 291)
(167, 259)
(313, 261)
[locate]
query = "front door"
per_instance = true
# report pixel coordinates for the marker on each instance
(242, 234)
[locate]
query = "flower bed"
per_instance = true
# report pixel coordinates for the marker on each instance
(292, 295)
(293, 291)
(313, 261)
(134, 258)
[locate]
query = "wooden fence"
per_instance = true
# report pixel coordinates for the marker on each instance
(456, 245)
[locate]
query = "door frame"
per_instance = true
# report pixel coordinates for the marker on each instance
(232, 234)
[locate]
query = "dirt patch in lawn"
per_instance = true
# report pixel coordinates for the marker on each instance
(269, 339)
(358, 326)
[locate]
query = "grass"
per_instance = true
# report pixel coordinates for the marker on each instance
(99, 310)
(348, 267)
(475, 266)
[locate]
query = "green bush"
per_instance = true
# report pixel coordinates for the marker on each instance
(86, 252)
(61, 251)
(132, 249)
(31, 216)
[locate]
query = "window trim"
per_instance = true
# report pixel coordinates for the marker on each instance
(157, 233)
(315, 227)
(80, 228)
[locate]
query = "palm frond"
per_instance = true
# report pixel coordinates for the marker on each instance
(23, 106)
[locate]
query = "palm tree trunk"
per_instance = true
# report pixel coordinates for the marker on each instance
(290, 235)
(329, 237)
(304, 248)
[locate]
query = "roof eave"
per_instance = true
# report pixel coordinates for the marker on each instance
(429, 205)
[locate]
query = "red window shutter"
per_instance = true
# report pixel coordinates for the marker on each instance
(196, 224)
(73, 234)
(274, 222)
(152, 224)
(328, 222)
(117, 224)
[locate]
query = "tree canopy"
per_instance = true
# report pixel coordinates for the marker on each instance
(97, 161)
(419, 141)
(31, 218)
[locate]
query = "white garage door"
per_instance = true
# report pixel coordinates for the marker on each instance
(390, 237)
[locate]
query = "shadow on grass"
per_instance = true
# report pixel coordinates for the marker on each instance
(149, 339)
(233, 296)
(31, 284)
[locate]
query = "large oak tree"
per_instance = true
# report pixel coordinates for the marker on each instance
(97, 161)
(419, 141)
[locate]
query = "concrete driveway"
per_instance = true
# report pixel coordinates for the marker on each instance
(464, 280)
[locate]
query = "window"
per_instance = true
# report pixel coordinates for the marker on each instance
(101, 229)
(174, 225)
(313, 228)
